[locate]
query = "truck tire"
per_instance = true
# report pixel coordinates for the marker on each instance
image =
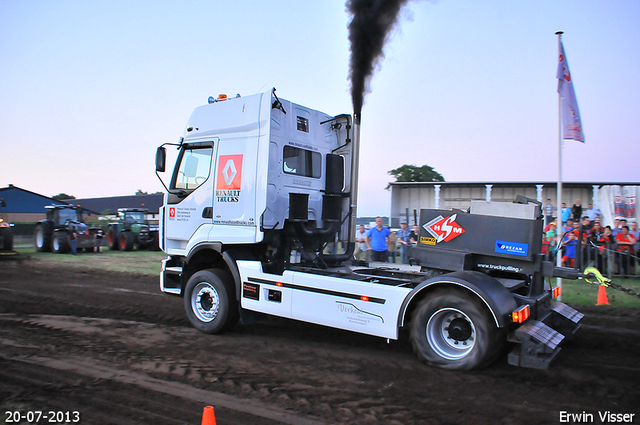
(210, 302)
(43, 238)
(452, 329)
(127, 241)
(112, 237)
(61, 243)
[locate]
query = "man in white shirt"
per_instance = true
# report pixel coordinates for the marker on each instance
(361, 244)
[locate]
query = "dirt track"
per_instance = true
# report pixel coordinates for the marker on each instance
(113, 348)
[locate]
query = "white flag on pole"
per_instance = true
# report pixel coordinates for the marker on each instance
(570, 115)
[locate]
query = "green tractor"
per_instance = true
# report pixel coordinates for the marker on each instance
(132, 230)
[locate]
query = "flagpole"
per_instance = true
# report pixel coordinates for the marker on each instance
(559, 194)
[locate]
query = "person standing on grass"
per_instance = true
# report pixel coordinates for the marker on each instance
(636, 234)
(72, 238)
(361, 247)
(625, 251)
(576, 210)
(592, 213)
(403, 236)
(565, 213)
(548, 212)
(377, 241)
(570, 253)
(392, 246)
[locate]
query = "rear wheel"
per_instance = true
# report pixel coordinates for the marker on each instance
(43, 239)
(452, 329)
(112, 237)
(210, 302)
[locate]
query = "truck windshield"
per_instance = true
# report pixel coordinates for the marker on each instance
(193, 168)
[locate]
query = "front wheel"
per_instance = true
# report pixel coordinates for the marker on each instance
(61, 243)
(210, 302)
(452, 329)
(127, 241)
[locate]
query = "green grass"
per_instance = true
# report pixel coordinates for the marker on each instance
(141, 262)
(578, 292)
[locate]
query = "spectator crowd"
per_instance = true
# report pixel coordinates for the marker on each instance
(379, 243)
(612, 249)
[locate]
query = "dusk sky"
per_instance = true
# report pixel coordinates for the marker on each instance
(89, 89)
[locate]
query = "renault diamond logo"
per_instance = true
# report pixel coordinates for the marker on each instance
(229, 172)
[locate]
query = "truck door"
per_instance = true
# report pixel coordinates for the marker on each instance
(190, 200)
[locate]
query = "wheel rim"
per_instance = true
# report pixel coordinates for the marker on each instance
(56, 244)
(451, 333)
(205, 302)
(39, 239)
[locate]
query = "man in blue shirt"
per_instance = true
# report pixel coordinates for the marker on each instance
(377, 241)
(565, 213)
(592, 213)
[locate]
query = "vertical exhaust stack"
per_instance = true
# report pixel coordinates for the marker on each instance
(355, 170)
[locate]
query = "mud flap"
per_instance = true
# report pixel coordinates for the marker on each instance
(538, 345)
(539, 340)
(565, 320)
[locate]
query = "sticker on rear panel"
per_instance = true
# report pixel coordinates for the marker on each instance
(512, 248)
(442, 229)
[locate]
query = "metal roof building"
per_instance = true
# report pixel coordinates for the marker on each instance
(408, 198)
(27, 206)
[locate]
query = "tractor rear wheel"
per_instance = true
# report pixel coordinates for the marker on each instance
(43, 238)
(112, 237)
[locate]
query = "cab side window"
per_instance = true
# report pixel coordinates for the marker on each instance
(302, 162)
(194, 169)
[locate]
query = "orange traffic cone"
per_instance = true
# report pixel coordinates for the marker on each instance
(208, 417)
(602, 296)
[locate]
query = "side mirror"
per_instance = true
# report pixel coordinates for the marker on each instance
(161, 159)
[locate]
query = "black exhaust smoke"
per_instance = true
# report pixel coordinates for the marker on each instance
(370, 24)
(371, 21)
